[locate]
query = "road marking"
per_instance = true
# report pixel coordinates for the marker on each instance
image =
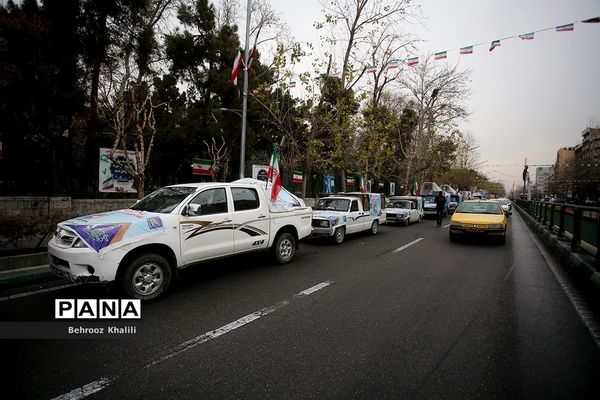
(47, 290)
(313, 289)
(85, 390)
(96, 386)
(210, 335)
(445, 226)
(406, 246)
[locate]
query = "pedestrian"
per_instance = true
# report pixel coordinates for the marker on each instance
(440, 203)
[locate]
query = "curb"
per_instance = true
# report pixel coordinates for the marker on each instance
(25, 275)
(581, 262)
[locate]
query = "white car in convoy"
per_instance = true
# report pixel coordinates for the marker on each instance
(141, 248)
(346, 213)
(402, 210)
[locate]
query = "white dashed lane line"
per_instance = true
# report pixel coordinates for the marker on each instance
(406, 246)
(98, 385)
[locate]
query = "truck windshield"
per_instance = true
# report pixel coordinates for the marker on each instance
(163, 200)
(333, 204)
(400, 204)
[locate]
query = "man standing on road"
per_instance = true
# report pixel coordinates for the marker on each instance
(440, 203)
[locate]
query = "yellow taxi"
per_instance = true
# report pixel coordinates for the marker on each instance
(484, 218)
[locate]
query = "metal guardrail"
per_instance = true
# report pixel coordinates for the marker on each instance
(579, 224)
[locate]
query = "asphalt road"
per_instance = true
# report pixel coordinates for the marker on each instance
(404, 314)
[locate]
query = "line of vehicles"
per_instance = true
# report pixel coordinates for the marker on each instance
(142, 248)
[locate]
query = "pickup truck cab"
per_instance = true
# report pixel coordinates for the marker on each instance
(141, 248)
(347, 213)
(404, 209)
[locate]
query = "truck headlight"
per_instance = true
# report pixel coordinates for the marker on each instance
(324, 224)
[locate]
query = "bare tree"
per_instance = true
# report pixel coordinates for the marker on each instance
(437, 92)
(219, 155)
(355, 23)
(126, 91)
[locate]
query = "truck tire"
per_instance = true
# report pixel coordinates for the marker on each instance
(147, 277)
(284, 248)
(375, 227)
(339, 234)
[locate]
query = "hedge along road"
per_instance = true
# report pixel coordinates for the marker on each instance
(403, 314)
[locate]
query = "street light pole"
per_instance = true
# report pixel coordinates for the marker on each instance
(245, 93)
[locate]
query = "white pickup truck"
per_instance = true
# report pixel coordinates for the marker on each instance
(141, 248)
(345, 213)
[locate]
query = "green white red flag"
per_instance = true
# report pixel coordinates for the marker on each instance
(594, 20)
(297, 177)
(201, 166)
(527, 36)
(565, 28)
(413, 61)
(393, 64)
(466, 50)
(237, 66)
(495, 43)
(273, 174)
(441, 55)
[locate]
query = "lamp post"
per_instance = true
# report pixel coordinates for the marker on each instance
(245, 92)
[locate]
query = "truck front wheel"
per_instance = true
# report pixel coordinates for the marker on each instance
(147, 277)
(375, 227)
(339, 234)
(284, 247)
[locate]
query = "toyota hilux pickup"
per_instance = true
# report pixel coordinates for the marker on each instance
(142, 248)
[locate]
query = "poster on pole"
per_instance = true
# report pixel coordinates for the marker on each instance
(112, 177)
(392, 188)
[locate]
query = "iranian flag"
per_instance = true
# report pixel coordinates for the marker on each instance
(273, 174)
(297, 177)
(237, 66)
(466, 50)
(527, 36)
(441, 55)
(201, 166)
(413, 61)
(495, 43)
(565, 28)
(594, 20)
(393, 64)
(371, 70)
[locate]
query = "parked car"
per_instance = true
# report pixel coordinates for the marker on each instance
(483, 218)
(142, 247)
(345, 213)
(401, 210)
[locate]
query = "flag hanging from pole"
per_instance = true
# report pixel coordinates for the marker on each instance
(273, 174)
(565, 28)
(237, 66)
(466, 50)
(371, 70)
(495, 43)
(412, 61)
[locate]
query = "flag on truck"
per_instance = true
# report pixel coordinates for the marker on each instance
(273, 174)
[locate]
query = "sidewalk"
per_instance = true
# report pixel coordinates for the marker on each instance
(24, 269)
(581, 262)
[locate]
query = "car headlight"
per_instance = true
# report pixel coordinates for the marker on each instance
(454, 224)
(324, 224)
(79, 244)
(496, 226)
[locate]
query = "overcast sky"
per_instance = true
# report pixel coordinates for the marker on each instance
(529, 97)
